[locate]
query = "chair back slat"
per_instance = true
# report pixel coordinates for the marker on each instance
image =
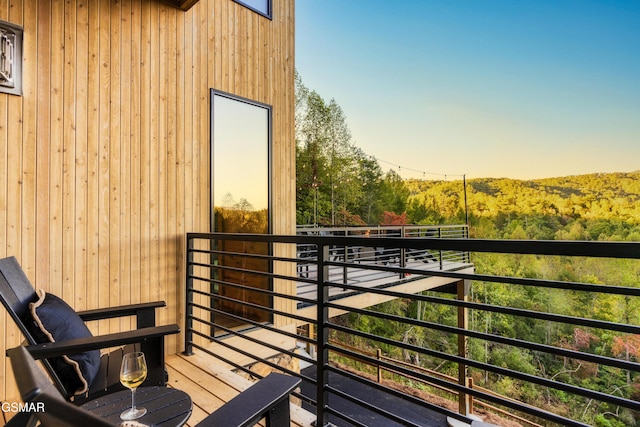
(35, 387)
(16, 292)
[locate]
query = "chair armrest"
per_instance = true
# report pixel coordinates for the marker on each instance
(22, 419)
(59, 348)
(145, 313)
(268, 397)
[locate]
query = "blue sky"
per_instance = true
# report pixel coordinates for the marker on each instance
(486, 88)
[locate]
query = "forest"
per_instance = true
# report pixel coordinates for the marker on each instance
(340, 185)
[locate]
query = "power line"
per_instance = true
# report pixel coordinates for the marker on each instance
(423, 172)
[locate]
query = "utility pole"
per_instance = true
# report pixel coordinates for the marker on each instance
(466, 208)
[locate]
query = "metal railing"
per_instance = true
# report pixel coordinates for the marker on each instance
(217, 323)
(366, 254)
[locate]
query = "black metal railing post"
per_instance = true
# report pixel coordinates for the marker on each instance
(188, 318)
(440, 252)
(403, 254)
(345, 269)
(464, 400)
(466, 256)
(322, 338)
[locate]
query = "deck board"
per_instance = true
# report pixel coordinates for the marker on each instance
(210, 385)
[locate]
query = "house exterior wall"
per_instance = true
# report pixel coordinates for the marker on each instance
(104, 160)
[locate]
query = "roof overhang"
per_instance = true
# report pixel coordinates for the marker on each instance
(182, 4)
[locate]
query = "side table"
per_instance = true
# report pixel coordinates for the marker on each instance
(166, 407)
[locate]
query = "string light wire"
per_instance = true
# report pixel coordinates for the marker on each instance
(423, 172)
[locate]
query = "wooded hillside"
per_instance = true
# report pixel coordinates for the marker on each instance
(582, 207)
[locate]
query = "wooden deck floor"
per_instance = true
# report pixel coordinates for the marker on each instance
(210, 386)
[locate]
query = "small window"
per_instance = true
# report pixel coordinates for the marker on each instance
(263, 7)
(10, 58)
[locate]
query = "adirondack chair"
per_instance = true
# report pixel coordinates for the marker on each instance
(75, 354)
(268, 398)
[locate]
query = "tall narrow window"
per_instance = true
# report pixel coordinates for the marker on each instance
(240, 175)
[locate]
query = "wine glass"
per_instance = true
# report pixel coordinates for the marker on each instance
(133, 372)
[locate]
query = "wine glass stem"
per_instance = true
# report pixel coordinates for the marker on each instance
(133, 400)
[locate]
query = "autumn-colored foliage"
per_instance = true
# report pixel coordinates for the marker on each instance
(627, 347)
(392, 218)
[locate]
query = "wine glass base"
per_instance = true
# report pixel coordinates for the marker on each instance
(132, 414)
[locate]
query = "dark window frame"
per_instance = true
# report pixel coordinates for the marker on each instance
(269, 251)
(267, 14)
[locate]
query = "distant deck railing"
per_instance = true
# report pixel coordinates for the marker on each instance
(357, 259)
(329, 361)
(307, 252)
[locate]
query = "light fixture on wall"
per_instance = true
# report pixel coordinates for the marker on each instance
(10, 58)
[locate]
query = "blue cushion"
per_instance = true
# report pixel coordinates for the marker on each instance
(54, 321)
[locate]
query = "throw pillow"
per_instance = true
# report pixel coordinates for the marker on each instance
(54, 320)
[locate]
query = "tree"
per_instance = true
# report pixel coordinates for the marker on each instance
(394, 192)
(370, 178)
(337, 181)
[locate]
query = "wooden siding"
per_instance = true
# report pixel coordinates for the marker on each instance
(104, 161)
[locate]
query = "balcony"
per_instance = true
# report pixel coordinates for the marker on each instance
(360, 263)
(257, 303)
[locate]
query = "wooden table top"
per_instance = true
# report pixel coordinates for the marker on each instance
(166, 407)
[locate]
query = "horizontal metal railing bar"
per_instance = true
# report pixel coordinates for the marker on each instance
(266, 362)
(504, 402)
(268, 274)
(560, 318)
(397, 270)
(373, 227)
(334, 412)
(240, 334)
(246, 370)
(430, 383)
(254, 323)
(217, 356)
(591, 394)
(247, 354)
(507, 414)
(396, 393)
(245, 255)
(260, 325)
(559, 351)
(372, 408)
(228, 299)
(290, 278)
(252, 289)
(231, 254)
(552, 284)
(598, 249)
(377, 356)
(390, 366)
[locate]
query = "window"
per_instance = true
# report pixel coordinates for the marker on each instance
(240, 186)
(263, 7)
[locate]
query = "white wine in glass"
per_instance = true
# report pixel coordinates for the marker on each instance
(133, 372)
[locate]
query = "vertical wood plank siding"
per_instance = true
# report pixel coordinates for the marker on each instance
(104, 161)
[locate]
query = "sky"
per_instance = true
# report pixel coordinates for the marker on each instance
(483, 88)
